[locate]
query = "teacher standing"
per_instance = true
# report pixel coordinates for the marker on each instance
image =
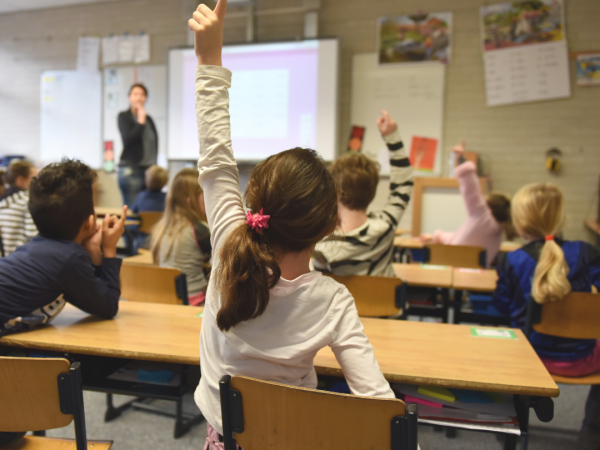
(140, 144)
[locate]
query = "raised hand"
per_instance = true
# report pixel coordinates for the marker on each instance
(459, 149)
(207, 26)
(92, 246)
(386, 124)
(112, 230)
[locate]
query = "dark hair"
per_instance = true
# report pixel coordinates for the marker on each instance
(139, 85)
(2, 190)
(16, 170)
(295, 189)
(356, 177)
(61, 199)
(499, 205)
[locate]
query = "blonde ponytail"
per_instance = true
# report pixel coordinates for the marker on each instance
(538, 211)
(550, 281)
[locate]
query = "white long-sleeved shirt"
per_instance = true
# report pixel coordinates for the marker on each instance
(16, 225)
(303, 315)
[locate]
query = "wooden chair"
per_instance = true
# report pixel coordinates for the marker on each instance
(42, 394)
(455, 255)
(153, 284)
(577, 316)
(272, 416)
(374, 296)
(148, 219)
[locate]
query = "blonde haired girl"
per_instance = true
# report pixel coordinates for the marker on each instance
(182, 239)
(546, 270)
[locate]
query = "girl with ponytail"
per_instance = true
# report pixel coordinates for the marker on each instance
(546, 270)
(266, 313)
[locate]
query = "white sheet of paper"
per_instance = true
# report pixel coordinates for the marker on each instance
(88, 53)
(110, 53)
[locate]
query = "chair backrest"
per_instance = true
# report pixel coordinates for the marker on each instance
(148, 219)
(272, 416)
(373, 296)
(153, 284)
(455, 255)
(41, 394)
(577, 316)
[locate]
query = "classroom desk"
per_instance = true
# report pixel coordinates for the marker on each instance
(401, 231)
(413, 243)
(408, 352)
(144, 259)
(481, 280)
(422, 281)
(424, 275)
(104, 210)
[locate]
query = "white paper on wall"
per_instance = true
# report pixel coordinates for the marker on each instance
(525, 52)
(88, 53)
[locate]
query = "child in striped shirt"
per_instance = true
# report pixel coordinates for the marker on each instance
(364, 243)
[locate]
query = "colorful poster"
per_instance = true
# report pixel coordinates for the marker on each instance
(525, 52)
(415, 38)
(588, 69)
(516, 24)
(422, 153)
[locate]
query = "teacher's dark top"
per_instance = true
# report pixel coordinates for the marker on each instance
(140, 142)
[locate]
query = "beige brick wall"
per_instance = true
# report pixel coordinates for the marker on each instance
(513, 139)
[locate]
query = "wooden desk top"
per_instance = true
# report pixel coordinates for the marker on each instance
(475, 279)
(104, 210)
(424, 275)
(144, 258)
(99, 221)
(408, 352)
(593, 225)
(400, 231)
(414, 243)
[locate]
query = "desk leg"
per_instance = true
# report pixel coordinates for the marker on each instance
(446, 306)
(456, 305)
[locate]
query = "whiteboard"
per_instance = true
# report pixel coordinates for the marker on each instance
(70, 116)
(442, 209)
(117, 82)
(413, 94)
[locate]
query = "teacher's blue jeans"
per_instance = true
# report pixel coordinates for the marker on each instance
(131, 183)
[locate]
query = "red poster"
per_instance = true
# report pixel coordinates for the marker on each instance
(422, 153)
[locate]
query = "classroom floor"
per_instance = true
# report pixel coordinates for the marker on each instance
(141, 430)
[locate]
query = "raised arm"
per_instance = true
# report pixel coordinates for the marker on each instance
(470, 188)
(401, 172)
(218, 170)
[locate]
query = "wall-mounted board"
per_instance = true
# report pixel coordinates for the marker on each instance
(70, 116)
(117, 82)
(413, 94)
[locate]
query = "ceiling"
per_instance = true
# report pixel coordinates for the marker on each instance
(8, 6)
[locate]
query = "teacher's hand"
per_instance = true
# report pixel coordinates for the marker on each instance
(141, 115)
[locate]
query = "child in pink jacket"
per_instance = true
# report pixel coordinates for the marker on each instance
(486, 220)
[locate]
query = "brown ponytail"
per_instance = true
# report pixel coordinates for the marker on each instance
(538, 211)
(295, 189)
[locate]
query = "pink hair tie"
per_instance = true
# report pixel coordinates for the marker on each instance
(258, 221)
(549, 237)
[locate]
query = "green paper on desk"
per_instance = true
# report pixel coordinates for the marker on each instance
(493, 333)
(201, 314)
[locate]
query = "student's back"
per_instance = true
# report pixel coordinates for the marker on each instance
(181, 239)
(66, 259)
(152, 199)
(364, 244)
(516, 273)
(267, 313)
(16, 225)
(546, 270)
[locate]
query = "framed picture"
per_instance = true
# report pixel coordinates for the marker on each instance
(415, 38)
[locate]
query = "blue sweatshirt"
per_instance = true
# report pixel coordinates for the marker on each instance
(513, 291)
(148, 200)
(37, 273)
